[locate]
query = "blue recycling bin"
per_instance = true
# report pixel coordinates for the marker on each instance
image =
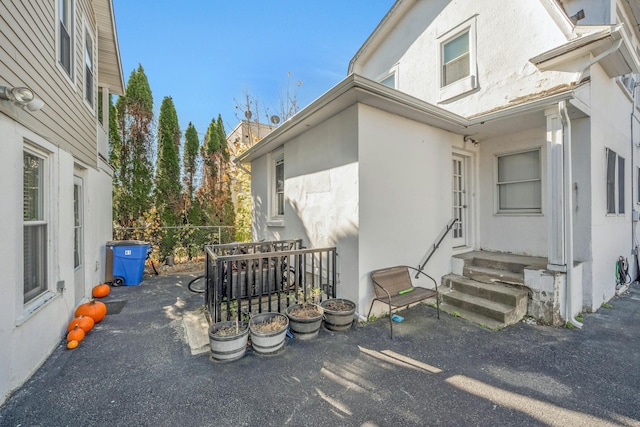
(125, 262)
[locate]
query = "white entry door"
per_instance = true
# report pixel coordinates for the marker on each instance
(460, 202)
(78, 239)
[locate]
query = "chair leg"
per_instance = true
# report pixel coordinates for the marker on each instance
(438, 305)
(390, 322)
(370, 308)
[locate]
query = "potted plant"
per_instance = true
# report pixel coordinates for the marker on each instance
(338, 313)
(305, 318)
(268, 331)
(228, 339)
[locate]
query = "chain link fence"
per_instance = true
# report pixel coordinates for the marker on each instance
(177, 244)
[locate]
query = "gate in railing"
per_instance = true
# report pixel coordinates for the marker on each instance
(251, 278)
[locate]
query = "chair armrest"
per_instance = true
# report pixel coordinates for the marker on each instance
(425, 274)
(383, 288)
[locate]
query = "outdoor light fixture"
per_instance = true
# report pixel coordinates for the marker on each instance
(467, 138)
(22, 96)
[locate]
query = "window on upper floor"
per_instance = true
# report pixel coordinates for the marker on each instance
(455, 59)
(389, 80)
(65, 35)
(457, 66)
(35, 225)
(615, 183)
(519, 183)
(89, 85)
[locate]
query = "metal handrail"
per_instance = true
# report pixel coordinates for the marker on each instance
(436, 245)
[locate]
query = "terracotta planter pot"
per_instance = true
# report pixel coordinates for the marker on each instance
(338, 314)
(267, 341)
(228, 347)
(305, 324)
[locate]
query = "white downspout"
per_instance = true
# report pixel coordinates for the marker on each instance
(568, 210)
(596, 59)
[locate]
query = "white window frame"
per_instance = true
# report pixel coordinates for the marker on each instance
(465, 84)
(276, 218)
(69, 74)
(615, 184)
(391, 74)
(44, 219)
(498, 184)
(89, 73)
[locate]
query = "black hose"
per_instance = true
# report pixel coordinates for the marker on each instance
(195, 290)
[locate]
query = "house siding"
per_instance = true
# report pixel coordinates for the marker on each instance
(65, 129)
(28, 58)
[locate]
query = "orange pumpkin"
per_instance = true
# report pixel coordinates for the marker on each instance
(101, 291)
(72, 344)
(84, 322)
(94, 309)
(76, 334)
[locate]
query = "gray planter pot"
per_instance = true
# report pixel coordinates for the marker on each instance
(267, 342)
(226, 348)
(305, 327)
(338, 320)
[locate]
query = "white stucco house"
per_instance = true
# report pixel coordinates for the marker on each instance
(55, 59)
(519, 119)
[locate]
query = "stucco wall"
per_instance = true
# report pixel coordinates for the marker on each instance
(29, 333)
(524, 234)
(504, 74)
(321, 194)
(405, 195)
(612, 234)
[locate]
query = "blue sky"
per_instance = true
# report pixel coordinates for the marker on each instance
(207, 54)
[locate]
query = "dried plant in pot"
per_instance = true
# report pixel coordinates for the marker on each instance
(305, 318)
(338, 314)
(268, 332)
(228, 339)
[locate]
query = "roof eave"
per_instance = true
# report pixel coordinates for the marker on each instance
(567, 57)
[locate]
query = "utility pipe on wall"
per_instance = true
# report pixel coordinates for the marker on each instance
(568, 210)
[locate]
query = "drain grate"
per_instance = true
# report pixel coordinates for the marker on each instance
(115, 307)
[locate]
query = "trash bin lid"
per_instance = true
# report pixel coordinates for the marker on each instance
(126, 243)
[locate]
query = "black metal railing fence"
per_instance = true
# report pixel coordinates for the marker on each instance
(266, 276)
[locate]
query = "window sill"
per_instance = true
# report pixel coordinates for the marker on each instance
(36, 305)
(275, 223)
(458, 88)
(506, 213)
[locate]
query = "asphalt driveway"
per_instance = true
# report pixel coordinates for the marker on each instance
(136, 368)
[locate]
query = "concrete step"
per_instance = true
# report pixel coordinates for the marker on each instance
(493, 275)
(479, 319)
(501, 312)
(492, 291)
(497, 263)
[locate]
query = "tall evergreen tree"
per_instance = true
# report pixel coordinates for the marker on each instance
(167, 190)
(190, 162)
(215, 191)
(134, 172)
